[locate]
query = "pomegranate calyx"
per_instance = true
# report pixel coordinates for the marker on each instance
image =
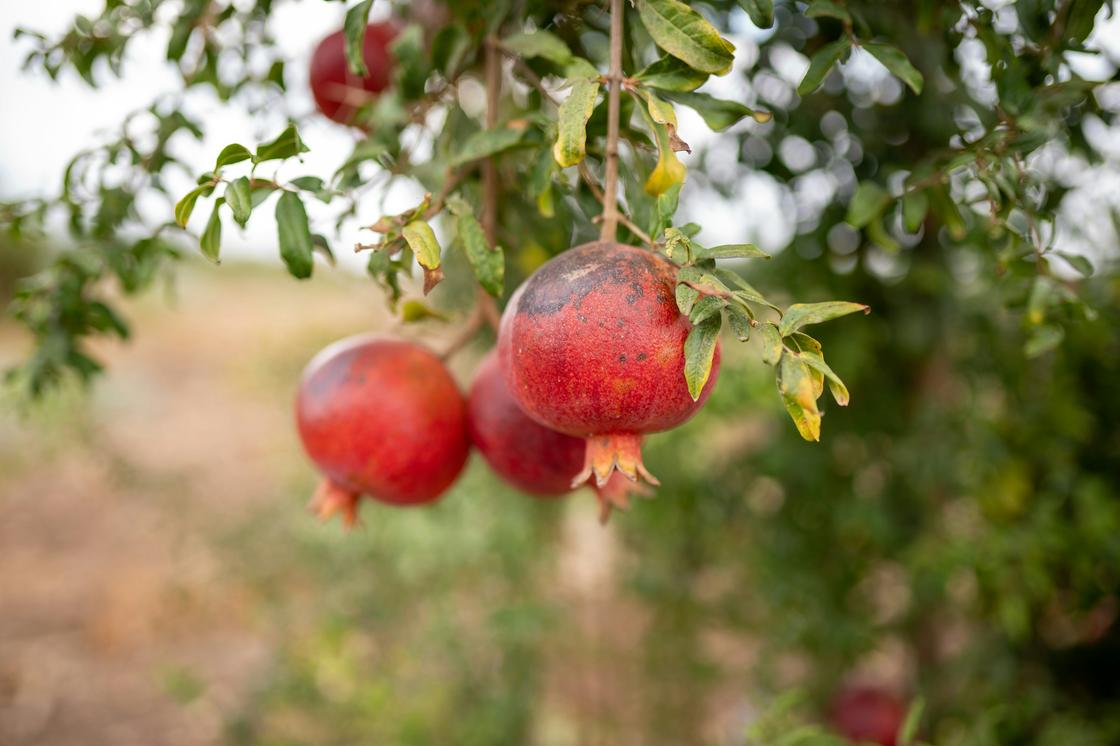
(606, 453)
(331, 498)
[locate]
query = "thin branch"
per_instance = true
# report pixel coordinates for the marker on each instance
(489, 171)
(610, 176)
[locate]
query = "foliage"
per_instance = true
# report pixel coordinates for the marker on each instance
(977, 479)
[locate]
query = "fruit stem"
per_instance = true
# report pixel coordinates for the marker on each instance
(614, 92)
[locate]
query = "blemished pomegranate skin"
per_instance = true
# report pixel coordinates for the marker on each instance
(867, 714)
(338, 92)
(592, 345)
(528, 455)
(383, 418)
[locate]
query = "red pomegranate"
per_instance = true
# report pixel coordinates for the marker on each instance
(526, 454)
(867, 714)
(338, 92)
(592, 345)
(383, 418)
(529, 456)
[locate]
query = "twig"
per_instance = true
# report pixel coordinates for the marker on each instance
(489, 171)
(610, 176)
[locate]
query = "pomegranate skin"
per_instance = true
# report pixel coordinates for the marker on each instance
(592, 345)
(526, 454)
(867, 714)
(383, 418)
(338, 92)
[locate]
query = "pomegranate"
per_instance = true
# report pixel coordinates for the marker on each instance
(383, 418)
(592, 345)
(528, 455)
(867, 714)
(338, 92)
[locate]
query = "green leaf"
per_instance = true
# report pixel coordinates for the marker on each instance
(295, 235)
(685, 34)
(354, 29)
(804, 314)
(828, 9)
(705, 308)
(686, 298)
(798, 392)
(772, 345)
(1078, 262)
(239, 197)
(542, 44)
(1080, 20)
(820, 63)
(704, 281)
(942, 204)
(699, 352)
(1044, 339)
(211, 241)
(670, 74)
(185, 206)
(449, 49)
(413, 310)
(308, 183)
(761, 12)
(234, 153)
(909, 729)
(485, 143)
(287, 144)
(880, 237)
(717, 113)
(729, 251)
(410, 74)
(571, 137)
(894, 60)
(487, 262)
(743, 289)
(915, 205)
(740, 320)
(867, 203)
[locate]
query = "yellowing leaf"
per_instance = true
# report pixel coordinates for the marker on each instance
(571, 137)
(798, 392)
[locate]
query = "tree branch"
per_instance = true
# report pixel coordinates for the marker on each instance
(610, 176)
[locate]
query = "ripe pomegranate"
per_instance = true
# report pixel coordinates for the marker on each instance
(592, 345)
(383, 418)
(867, 714)
(529, 456)
(338, 92)
(526, 454)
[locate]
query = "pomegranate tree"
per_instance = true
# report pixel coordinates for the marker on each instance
(592, 345)
(339, 93)
(528, 455)
(383, 418)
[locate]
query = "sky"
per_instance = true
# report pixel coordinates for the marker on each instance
(56, 119)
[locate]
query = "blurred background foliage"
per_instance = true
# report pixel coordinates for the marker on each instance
(954, 538)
